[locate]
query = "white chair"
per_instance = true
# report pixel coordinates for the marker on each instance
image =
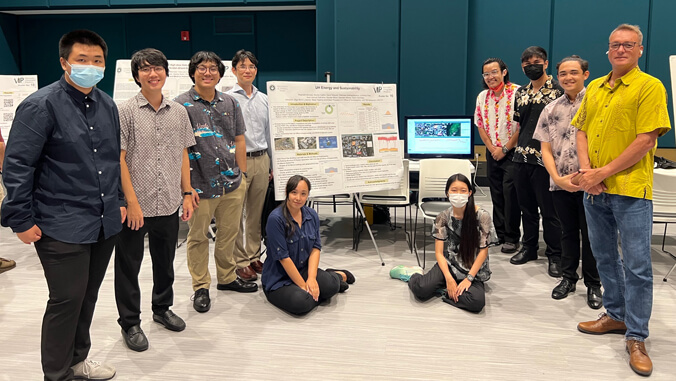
(432, 198)
(664, 203)
(395, 198)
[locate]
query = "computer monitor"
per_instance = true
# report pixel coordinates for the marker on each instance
(435, 136)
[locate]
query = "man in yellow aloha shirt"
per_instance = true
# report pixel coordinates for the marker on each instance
(619, 121)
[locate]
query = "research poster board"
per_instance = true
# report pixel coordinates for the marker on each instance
(14, 89)
(178, 80)
(344, 137)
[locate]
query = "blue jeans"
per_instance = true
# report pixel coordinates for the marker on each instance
(627, 281)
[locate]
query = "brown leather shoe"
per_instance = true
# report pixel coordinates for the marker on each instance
(257, 266)
(638, 358)
(246, 274)
(604, 324)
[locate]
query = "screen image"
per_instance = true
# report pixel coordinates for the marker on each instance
(439, 136)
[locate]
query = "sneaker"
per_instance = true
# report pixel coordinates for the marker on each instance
(6, 264)
(404, 273)
(92, 370)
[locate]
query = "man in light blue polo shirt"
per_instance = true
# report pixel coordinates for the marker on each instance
(254, 105)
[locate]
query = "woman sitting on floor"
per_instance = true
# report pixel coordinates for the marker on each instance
(291, 279)
(463, 268)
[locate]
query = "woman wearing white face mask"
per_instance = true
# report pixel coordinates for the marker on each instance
(463, 268)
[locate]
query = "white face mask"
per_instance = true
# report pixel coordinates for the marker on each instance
(458, 200)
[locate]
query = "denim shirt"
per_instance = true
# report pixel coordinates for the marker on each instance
(62, 165)
(297, 247)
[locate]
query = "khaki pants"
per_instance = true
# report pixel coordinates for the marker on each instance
(258, 169)
(227, 210)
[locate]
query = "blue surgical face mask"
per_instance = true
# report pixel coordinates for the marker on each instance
(85, 75)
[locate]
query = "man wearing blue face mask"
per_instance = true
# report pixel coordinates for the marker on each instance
(62, 174)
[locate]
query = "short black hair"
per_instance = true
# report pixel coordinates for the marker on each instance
(205, 56)
(584, 64)
(503, 66)
(534, 51)
(80, 36)
(242, 55)
(146, 57)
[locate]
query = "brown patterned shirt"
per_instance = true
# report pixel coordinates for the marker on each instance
(154, 141)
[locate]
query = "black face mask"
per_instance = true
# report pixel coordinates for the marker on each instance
(534, 71)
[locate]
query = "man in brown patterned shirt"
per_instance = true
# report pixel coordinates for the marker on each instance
(155, 134)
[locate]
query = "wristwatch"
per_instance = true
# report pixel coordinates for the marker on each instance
(470, 277)
(187, 193)
(245, 175)
(505, 150)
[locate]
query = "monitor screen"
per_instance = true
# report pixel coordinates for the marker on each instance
(439, 136)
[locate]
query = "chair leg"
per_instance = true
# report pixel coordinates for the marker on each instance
(424, 242)
(415, 235)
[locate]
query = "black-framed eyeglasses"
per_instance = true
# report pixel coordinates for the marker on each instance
(204, 69)
(148, 69)
(626, 45)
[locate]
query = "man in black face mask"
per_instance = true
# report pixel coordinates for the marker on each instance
(532, 179)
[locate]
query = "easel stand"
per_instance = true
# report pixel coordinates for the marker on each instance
(359, 206)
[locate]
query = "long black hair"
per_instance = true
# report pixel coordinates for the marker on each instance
(469, 231)
(292, 184)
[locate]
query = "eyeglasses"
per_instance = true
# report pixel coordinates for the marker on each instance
(250, 67)
(204, 69)
(626, 45)
(492, 73)
(148, 69)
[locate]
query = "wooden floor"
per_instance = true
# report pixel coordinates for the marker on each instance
(374, 331)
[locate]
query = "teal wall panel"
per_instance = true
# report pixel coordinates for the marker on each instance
(661, 45)
(24, 3)
(78, 3)
(160, 31)
(142, 2)
(9, 45)
(432, 75)
(325, 17)
(591, 42)
(367, 41)
(202, 34)
(40, 51)
(285, 46)
(502, 29)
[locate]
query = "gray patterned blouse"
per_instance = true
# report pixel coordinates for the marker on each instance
(447, 228)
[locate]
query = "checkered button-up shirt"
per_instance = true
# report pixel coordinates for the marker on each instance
(154, 141)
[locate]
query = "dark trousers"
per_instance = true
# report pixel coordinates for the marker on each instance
(74, 273)
(425, 287)
(570, 210)
(532, 190)
(506, 212)
(162, 236)
(297, 301)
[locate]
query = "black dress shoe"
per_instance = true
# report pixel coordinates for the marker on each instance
(135, 339)
(554, 268)
(563, 289)
(523, 256)
(201, 301)
(239, 286)
(594, 297)
(170, 321)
